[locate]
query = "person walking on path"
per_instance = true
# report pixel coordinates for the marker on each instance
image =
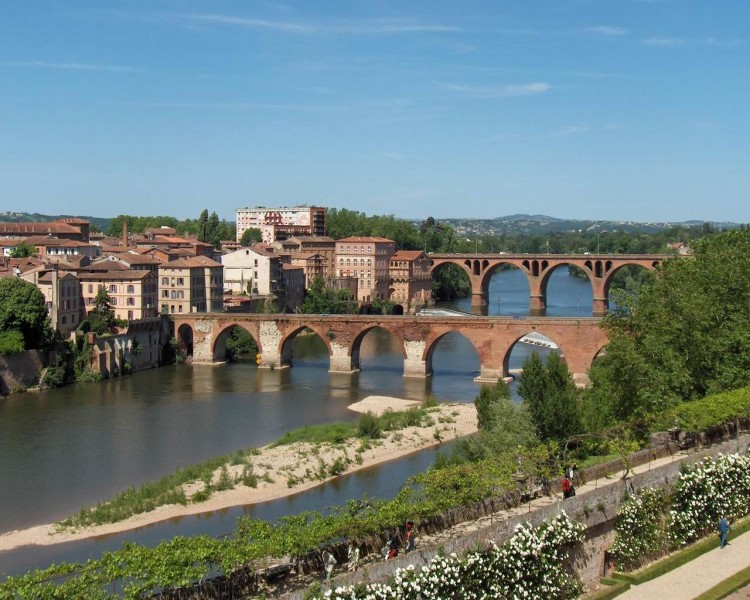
(724, 529)
(329, 562)
(567, 488)
(410, 535)
(352, 553)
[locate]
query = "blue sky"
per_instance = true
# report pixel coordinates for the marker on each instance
(604, 109)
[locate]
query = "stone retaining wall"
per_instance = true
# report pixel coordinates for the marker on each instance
(19, 372)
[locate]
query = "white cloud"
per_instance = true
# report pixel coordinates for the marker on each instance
(574, 129)
(607, 30)
(677, 42)
(352, 28)
(502, 91)
(392, 155)
(39, 64)
(611, 126)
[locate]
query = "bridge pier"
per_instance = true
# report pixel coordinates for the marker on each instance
(340, 361)
(537, 305)
(478, 299)
(414, 363)
(271, 356)
(600, 306)
(489, 374)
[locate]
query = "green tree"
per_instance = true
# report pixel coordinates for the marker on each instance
(320, 299)
(251, 236)
(203, 226)
(23, 309)
(551, 396)
(11, 342)
(505, 427)
(685, 335)
(102, 318)
(240, 342)
(383, 306)
(23, 250)
(487, 400)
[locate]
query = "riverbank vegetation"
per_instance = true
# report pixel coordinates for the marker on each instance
(198, 483)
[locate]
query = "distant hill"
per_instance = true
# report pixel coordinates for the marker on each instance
(522, 224)
(22, 217)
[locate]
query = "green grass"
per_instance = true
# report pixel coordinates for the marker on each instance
(614, 588)
(331, 433)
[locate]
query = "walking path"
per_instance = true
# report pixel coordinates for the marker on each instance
(692, 579)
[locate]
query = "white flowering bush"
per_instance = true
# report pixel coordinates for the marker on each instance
(705, 493)
(641, 528)
(529, 565)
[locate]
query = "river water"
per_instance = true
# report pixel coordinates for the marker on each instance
(67, 448)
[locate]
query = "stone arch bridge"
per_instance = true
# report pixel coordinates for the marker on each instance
(599, 268)
(204, 336)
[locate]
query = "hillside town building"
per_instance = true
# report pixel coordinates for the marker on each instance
(367, 259)
(282, 223)
(194, 284)
(411, 280)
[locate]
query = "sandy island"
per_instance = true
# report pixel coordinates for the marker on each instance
(298, 462)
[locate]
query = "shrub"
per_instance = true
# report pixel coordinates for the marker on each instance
(368, 426)
(11, 342)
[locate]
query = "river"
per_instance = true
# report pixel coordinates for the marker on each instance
(67, 448)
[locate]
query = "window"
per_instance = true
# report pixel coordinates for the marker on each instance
(165, 293)
(180, 281)
(91, 288)
(114, 301)
(180, 307)
(165, 309)
(130, 315)
(131, 289)
(113, 288)
(164, 281)
(64, 320)
(131, 301)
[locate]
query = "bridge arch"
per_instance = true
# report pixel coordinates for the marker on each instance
(433, 342)
(286, 345)
(184, 335)
(219, 346)
(527, 350)
(355, 346)
(614, 269)
(496, 267)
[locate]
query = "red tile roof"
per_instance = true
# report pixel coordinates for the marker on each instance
(360, 240)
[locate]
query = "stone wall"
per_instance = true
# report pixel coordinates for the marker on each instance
(140, 347)
(19, 372)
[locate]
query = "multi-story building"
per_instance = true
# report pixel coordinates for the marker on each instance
(323, 246)
(252, 270)
(68, 228)
(411, 279)
(282, 223)
(130, 260)
(194, 284)
(367, 259)
(52, 247)
(133, 294)
(62, 293)
(293, 291)
(313, 265)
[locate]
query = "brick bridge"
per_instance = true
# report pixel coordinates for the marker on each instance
(204, 336)
(599, 268)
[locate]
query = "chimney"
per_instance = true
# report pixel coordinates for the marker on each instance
(125, 234)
